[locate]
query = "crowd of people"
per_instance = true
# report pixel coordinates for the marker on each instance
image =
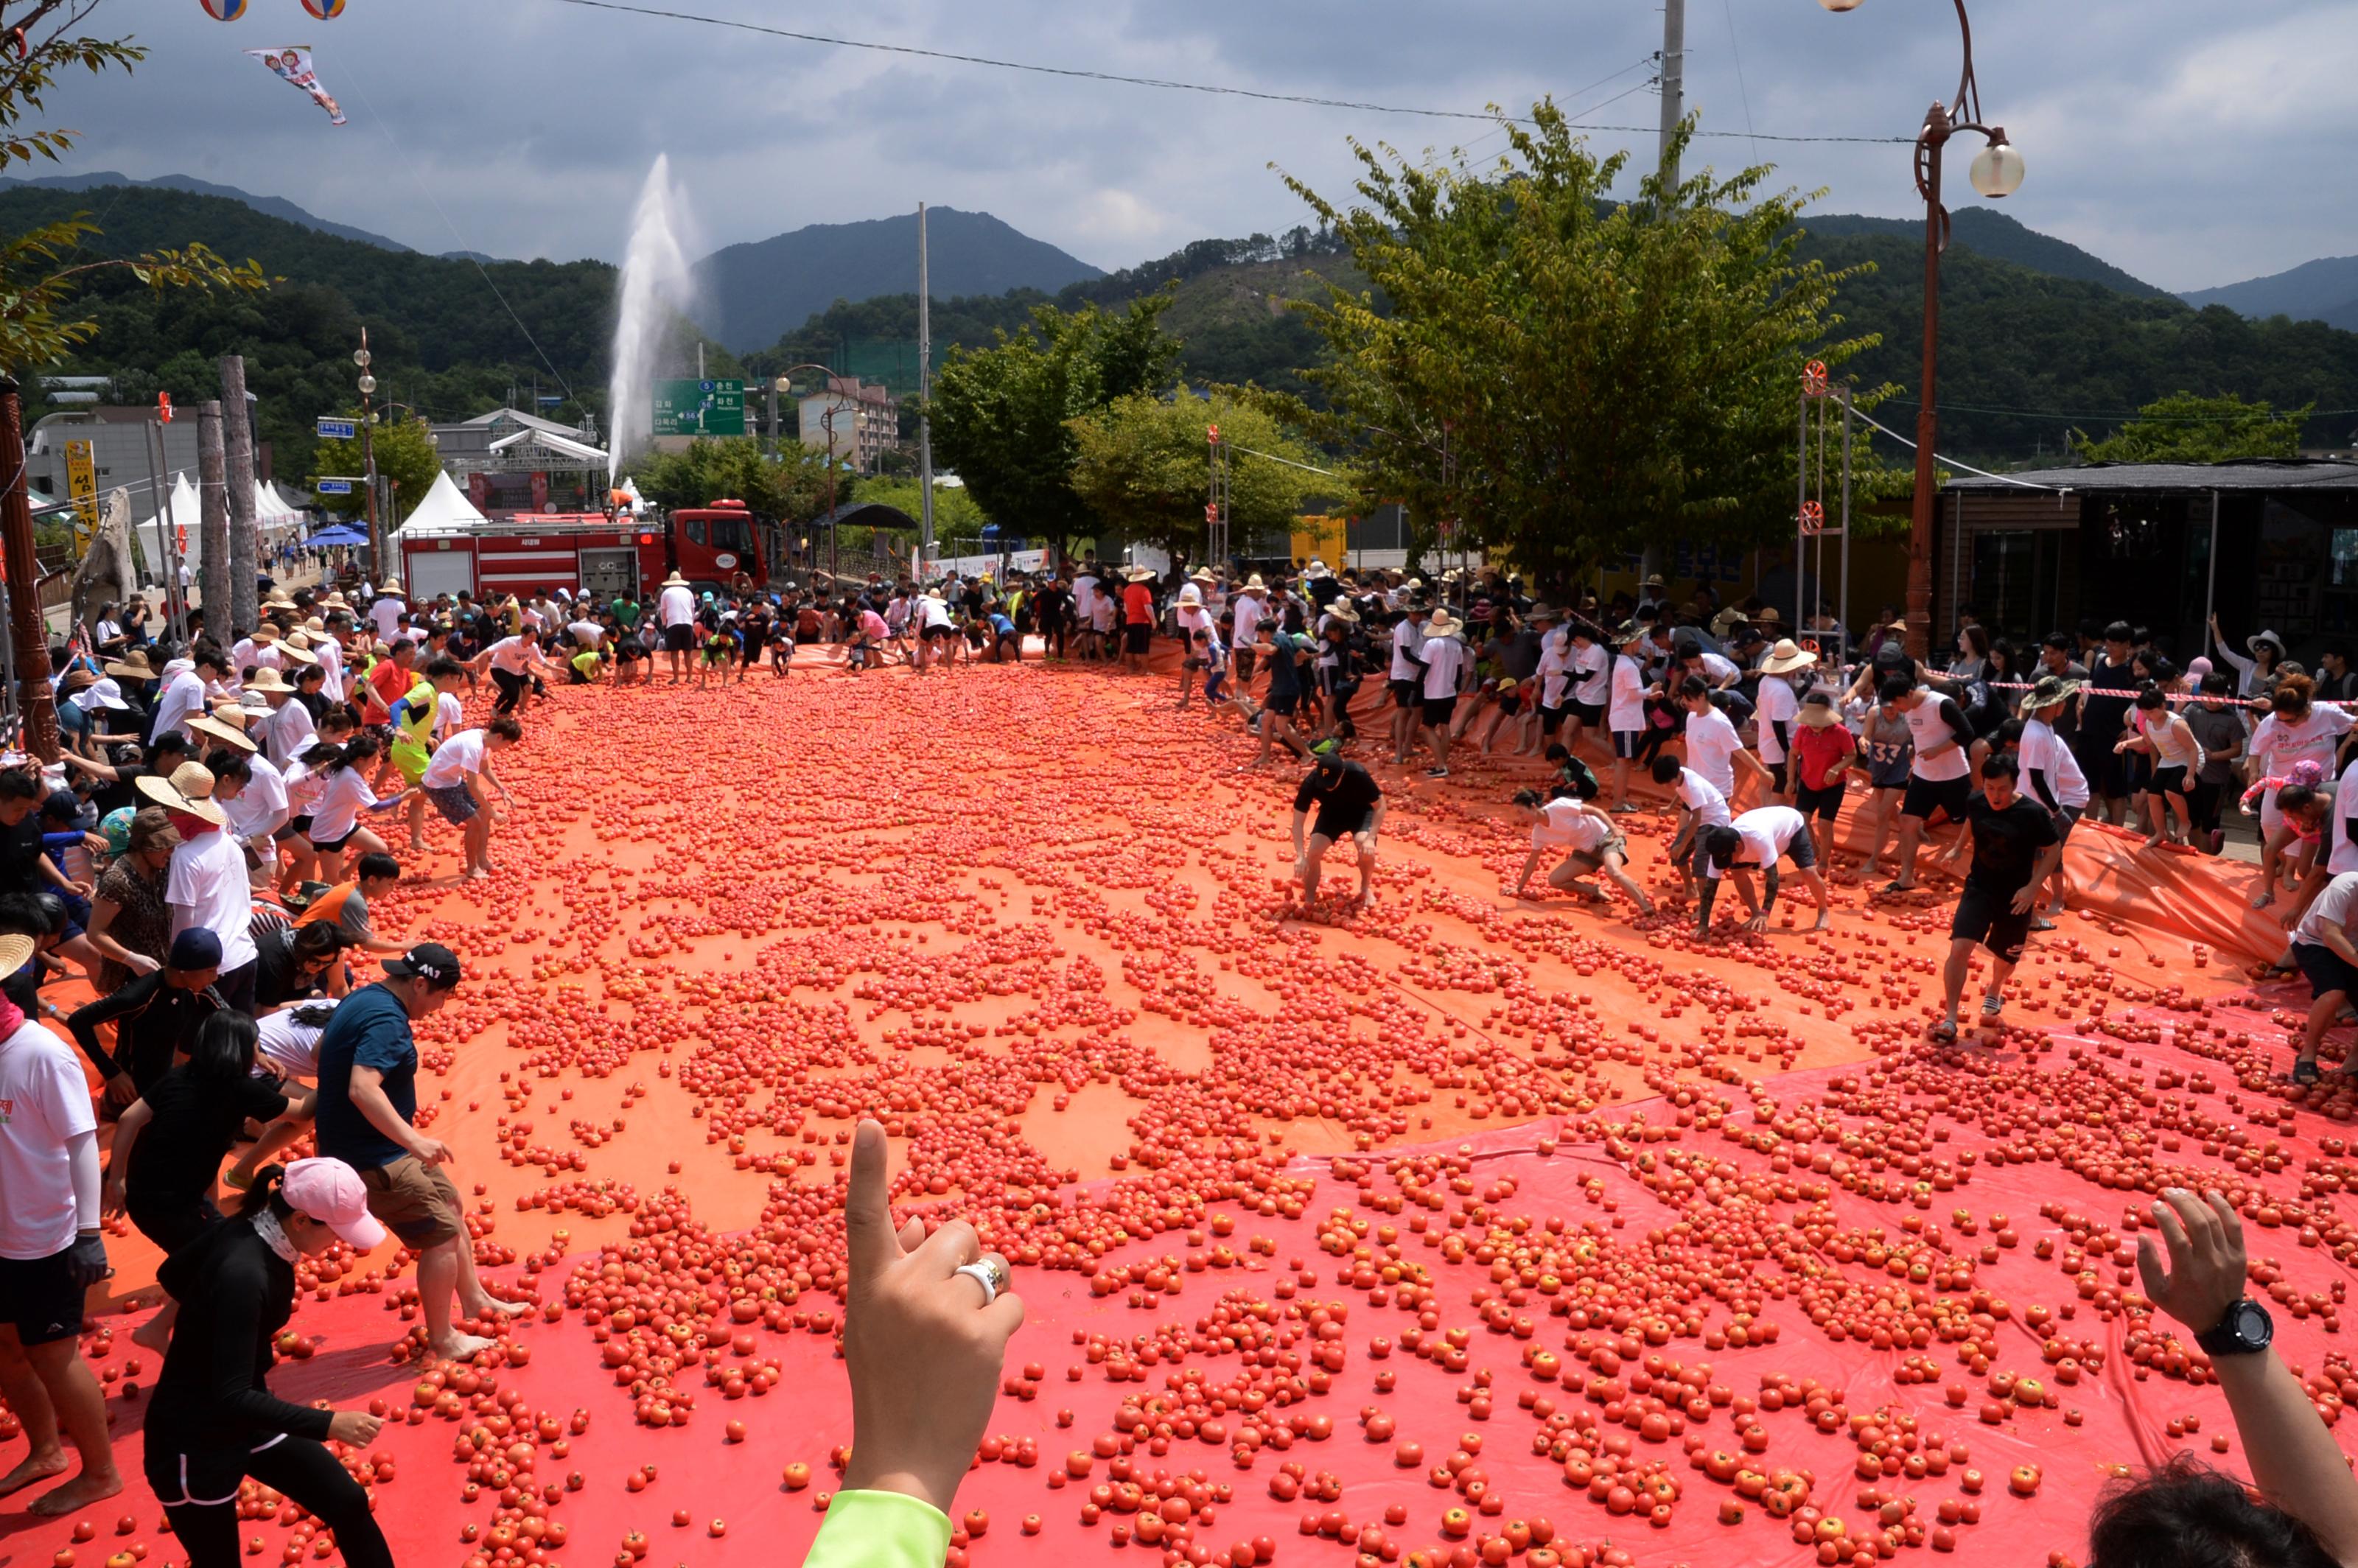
(207, 854)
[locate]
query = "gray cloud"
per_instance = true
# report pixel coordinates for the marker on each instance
(2184, 141)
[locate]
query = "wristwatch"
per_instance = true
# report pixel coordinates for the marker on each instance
(2244, 1331)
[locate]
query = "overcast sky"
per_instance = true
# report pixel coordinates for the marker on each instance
(2183, 140)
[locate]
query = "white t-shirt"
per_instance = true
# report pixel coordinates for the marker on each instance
(182, 699)
(676, 606)
(1568, 824)
(302, 787)
(1765, 831)
(454, 759)
(2042, 751)
(1555, 673)
(1926, 727)
(1592, 676)
(1249, 610)
(934, 612)
(1711, 745)
(588, 633)
(1628, 714)
(1777, 704)
(1716, 670)
(260, 808)
(512, 655)
(343, 795)
(331, 668)
(1085, 596)
(385, 616)
(44, 1104)
(207, 886)
(2280, 745)
(2345, 856)
(290, 734)
(1445, 661)
(1704, 798)
(290, 1046)
(2335, 904)
(1408, 645)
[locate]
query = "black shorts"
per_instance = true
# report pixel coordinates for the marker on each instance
(1137, 638)
(1439, 710)
(1589, 713)
(630, 651)
(1803, 850)
(39, 1297)
(1822, 803)
(335, 846)
(171, 1225)
(678, 639)
(2169, 781)
(1285, 703)
(2327, 969)
(1335, 826)
(937, 633)
(1404, 693)
(2106, 771)
(1989, 918)
(1925, 796)
(1627, 743)
(1551, 720)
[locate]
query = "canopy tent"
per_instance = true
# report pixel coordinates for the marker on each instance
(548, 441)
(179, 512)
(445, 506)
(271, 511)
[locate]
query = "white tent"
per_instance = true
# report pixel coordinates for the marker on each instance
(271, 512)
(638, 502)
(445, 506)
(180, 510)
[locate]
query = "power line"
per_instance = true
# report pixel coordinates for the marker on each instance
(1166, 83)
(1948, 408)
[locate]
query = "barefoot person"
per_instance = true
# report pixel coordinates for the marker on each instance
(1350, 805)
(675, 614)
(50, 1254)
(457, 779)
(366, 1116)
(1590, 842)
(1758, 842)
(213, 1420)
(2013, 845)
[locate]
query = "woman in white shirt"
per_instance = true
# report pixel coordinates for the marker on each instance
(2176, 756)
(2296, 730)
(1626, 717)
(344, 793)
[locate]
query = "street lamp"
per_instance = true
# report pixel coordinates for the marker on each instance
(1996, 172)
(367, 385)
(783, 384)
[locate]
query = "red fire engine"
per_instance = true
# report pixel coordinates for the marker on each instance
(591, 553)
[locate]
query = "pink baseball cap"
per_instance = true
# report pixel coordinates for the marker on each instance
(331, 1192)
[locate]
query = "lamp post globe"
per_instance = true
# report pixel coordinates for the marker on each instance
(367, 385)
(361, 358)
(1997, 170)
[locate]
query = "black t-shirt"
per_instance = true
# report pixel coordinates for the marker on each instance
(1347, 789)
(2006, 844)
(180, 1151)
(123, 792)
(21, 855)
(2101, 718)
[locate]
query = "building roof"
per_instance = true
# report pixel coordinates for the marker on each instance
(2252, 474)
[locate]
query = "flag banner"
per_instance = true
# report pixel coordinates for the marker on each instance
(292, 64)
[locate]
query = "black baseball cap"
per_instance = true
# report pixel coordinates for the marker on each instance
(429, 961)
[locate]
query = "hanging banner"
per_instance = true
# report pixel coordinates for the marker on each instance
(82, 484)
(291, 63)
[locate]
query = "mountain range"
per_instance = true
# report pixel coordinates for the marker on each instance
(2040, 338)
(2324, 290)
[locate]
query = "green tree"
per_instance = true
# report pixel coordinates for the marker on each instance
(1142, 467)
(406, 454)
(789, 484)
(2186, 429)
(1566, 375)
(1001, 414)
(41, 269)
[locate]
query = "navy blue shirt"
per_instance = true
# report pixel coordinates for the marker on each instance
(370, 1029)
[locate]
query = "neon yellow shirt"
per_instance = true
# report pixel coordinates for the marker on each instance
(879, 1529)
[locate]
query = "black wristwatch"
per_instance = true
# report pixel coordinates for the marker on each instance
(2244, 1331)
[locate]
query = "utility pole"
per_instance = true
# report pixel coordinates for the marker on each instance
(367, 385)
(28, 629)
(925, 395)
(213, 528)
(1674, 82)
(237, 441)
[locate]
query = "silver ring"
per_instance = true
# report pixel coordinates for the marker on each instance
(986, 1276)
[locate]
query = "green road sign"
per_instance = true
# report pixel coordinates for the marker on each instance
(699, 408)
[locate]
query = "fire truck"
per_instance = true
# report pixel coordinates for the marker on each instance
(596, 554)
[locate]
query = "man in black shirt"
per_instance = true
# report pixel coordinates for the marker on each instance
(156, 1016)
(1350, 805)
(2015, 849)
(2102, 719)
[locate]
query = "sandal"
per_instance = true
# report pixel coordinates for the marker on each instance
(2042, 923)
(1898, 887)
(1992, 1006)
(1945, 1033)
(2303, 1074)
